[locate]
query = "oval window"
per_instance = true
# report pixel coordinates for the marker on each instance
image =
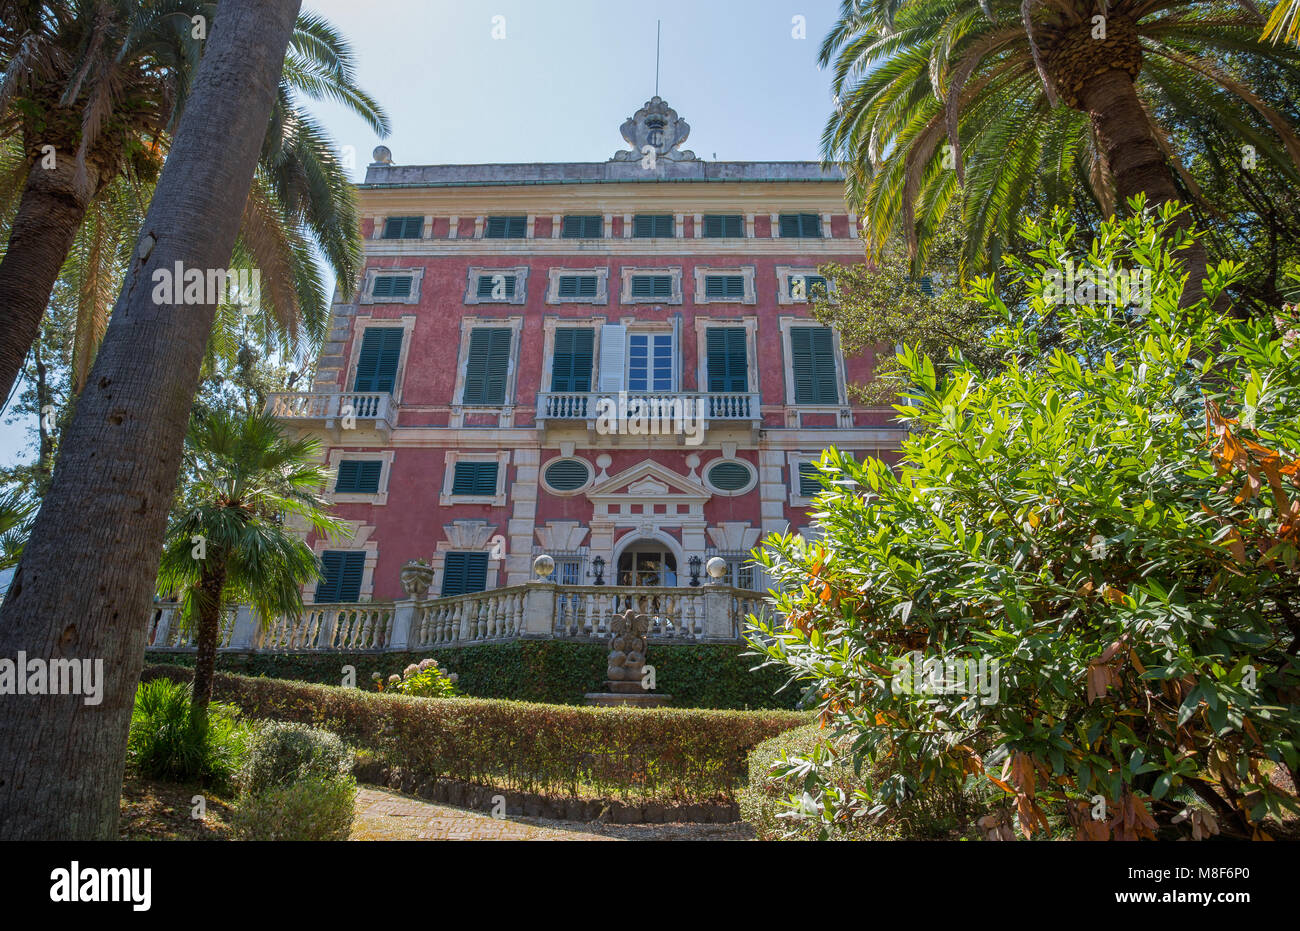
(729, 476)
(567, 474)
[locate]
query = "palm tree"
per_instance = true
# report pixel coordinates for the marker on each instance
(16, 511)
(1285, 22)
(228, 541)
(1005, 104)
(88, 569)
(94, 89)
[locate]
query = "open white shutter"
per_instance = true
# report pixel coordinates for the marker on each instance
(613, 353)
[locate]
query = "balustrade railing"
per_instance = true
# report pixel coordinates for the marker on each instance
(491, 615)
(330, 405)
(652, 405)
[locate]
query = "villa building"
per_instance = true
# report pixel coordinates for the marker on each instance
(611, 363)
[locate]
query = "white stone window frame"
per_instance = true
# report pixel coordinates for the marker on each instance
(793, 461)
(628, 272)
(787, 366)
(541, 476)
(553, 285)
(507, 408)
(374, 274)
(359, 326)
(379, 497)
(753, 476)
(520, 273)
(453, 456)
(552, 324)
(703, 325)
(748, 272)
(783, 275)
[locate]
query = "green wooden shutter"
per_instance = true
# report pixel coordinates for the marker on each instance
(488, 363)
(571, 365)
(727, 359)
(800, 226)
(475, 478)
(404, 228)
(392, 286)
(723, 226)
(578, 286)
(586, 226)
(728, 287)
(486, 284)
(463, 573)
(359, 476)
(810, 480)
(652, 286)
(506, 228)
(343, 570)
(653, 226)
(812, 357)
(381, 348)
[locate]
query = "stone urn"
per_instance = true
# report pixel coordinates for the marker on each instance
(417, 576)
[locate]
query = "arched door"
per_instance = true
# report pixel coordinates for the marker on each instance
(647, 564)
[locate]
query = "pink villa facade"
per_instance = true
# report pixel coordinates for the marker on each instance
(467, 396)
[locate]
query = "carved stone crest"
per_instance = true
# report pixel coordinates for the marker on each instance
(656, 125)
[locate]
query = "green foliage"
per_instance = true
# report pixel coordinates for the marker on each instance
(1111, 527)
(423, 679)
(310, 809)
(17, 512)
(281, 754)
(644, 754)
(162, 744)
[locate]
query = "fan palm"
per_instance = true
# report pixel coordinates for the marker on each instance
(228, 539)
(1003, 104)
(1285, 22)
(93, 90)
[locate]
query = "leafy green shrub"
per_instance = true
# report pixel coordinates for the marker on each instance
(423, 679)
(162, 744)
(309, 809)
(650, 754)
(281, 754)
(1108, 530)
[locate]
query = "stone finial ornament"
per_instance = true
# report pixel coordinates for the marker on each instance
(656, 125)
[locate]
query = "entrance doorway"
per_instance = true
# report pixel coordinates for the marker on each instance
(648, 564)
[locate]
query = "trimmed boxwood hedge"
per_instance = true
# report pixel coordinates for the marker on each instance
(664, 754)
(706, 675)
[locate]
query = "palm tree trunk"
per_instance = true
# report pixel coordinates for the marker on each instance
(211, 584)
(84, 585)
(49, 214)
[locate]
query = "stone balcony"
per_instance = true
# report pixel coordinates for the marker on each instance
(335, 410)
(711, 613)
(659, 411)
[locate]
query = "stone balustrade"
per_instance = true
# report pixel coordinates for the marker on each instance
(536, 610)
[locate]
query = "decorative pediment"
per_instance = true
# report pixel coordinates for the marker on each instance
(649, 480)
(468, 534)
(561, 536)
(658, 126)
(734, 536)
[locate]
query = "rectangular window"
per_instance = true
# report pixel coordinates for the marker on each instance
(653, 226)
(812, 357)
(495, 287)
(392, 286)
(506, 228)
(475, 478)
(342, 582)
(571, 365)
(650, 362)
(806, 287)
(487, 365)
(404, 228)
(578, 286)
(381, 349)
(810, 480)
(587, 226)
(463, 573)
(359, 476)
(652, 286)
(801, 226)
(724, 226)
(727, 359)
(724, 287)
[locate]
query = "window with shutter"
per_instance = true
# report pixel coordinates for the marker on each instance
(578, 286)
(342, 582)
(724, 226)
(613, 355)
(506, 228)
(652, 286)
(650, 362)
(359, 476)
(653, 226)
(728, 363)
(812, 358)
(810, 480)
(381, 349)
(801, 226)
(487, 366)
(392, 286)
(571, 364)
(464, 573)
(806, 287)
(404, 228)
(724, 287)
(475, 478)
(487, 287)
(590, 226)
